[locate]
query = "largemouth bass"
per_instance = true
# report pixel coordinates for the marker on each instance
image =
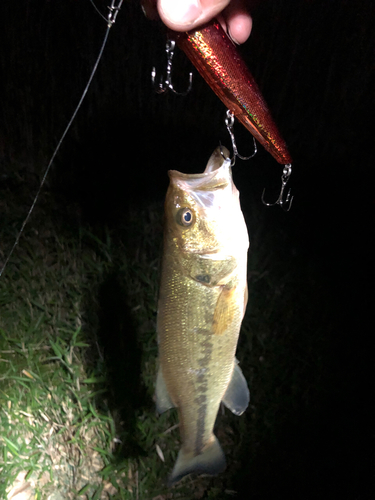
(202, 301)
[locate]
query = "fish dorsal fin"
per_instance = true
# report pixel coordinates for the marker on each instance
(163, 400)
(237, 395)
(217, 159)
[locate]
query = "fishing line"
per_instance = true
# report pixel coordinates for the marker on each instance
(110, 20)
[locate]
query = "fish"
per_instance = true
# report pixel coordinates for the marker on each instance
(217, 60)
(202, 301)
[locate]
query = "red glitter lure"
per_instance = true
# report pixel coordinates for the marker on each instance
(217, 60)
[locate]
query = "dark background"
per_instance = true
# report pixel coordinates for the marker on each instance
(314, 63)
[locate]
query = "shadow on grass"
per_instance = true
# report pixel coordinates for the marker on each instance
(117, 337)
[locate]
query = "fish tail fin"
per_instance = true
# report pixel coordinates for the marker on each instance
(211, 461)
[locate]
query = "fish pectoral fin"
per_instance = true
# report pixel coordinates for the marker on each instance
(237, 395)
(225, 310)
(163, 400)
(211, 461)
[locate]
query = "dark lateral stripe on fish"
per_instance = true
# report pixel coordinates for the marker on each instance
(201, 423)
(201, 400)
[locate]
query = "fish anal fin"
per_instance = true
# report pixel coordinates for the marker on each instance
(237, 395)
(163, 400)
(211, 461)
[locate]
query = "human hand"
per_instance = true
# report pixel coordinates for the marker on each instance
(184, 15)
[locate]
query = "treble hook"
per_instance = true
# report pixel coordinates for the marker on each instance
(287, 171)
(167, 84)
(229, 121)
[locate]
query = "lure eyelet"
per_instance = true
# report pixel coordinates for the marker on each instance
(185, 217)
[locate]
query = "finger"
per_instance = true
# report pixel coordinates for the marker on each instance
(184, 15)
(238, 21)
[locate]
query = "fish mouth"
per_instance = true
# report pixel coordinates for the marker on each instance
(217, 174)
(207, 181)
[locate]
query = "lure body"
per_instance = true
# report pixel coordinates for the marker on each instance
(217, 60)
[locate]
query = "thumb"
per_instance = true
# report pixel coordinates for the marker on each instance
(183, 15)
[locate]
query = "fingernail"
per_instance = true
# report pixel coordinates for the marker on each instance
(181, 12)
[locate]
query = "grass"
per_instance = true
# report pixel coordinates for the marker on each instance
(52, 433)
(78, 359)
(48, 416)
(62, 432)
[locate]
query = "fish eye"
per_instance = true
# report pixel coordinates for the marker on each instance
(185, 217)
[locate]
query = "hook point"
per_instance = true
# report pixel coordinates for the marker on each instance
(287, 171)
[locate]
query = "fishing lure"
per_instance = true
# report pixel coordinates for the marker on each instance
(217, 60)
